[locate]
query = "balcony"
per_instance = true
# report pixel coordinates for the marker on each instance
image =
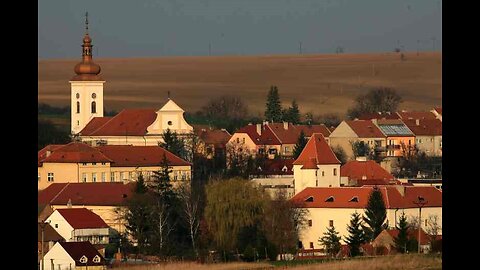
(393, 147)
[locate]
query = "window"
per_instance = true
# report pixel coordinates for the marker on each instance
(78, 107)
(84, 164)
(83, 259)
(169, 123)
(112, 177)
(334, 171)
(311, 245)
(94, 95)
(56, 226)
(130, 175)
(309, 223)
(50, 177)
(94, 163)
(243, 140)
(354, 199)
(77, 95)
(94, 107)
(84, 177)
(426, 222)
(103, 163)
(330, 222)
(104, 176)
(316, 183)
(409, 142)
(96, 259)
(287, 149)
(238, 140)
(122, 176)
(209, 150)
(78, 123)
(323, 173)
(94, 177)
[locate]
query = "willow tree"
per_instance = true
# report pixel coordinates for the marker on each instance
(231, 206)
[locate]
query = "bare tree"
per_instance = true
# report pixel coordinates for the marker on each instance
(190, 207)
(164, 228)
(432, 229)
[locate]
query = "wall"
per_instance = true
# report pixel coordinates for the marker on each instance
(59, 256)
(397, 150)
(85, 89)
(314, 178)
(64, 229)
(429, 144)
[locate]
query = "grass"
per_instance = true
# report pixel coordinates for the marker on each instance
(395, 262)
(321, 83)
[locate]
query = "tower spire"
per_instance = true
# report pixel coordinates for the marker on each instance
(86, 22)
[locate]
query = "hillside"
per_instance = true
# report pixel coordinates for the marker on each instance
(325, 83)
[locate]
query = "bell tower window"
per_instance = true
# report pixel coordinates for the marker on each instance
(94, 107)
(78, 107)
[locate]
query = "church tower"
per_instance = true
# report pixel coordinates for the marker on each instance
(86, 88)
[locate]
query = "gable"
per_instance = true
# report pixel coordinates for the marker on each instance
(343, 131)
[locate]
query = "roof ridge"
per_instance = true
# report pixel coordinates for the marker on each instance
(58, 194)
(273, 132)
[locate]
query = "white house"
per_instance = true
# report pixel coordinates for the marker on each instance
(73, 256)
(316, 166)
(79, 224)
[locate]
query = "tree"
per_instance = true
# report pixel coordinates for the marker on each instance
(331, 241)
(301, 142)
(140, 186)
(173, 143)
(232, 205)
(139, 219)
(401, 241)
(292, 114)
(360, 149)
(375, 214)
(356, 235)
(381, 99)
(191, 212)
(48, 133)
(273, 111)
(340, 154)
(226, 112)
(239, 160)
(433, 228)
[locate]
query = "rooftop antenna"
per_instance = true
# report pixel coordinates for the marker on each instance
(168, 94)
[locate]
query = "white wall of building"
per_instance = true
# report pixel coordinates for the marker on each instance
(88, 92)
(61, 259)
(60, 225)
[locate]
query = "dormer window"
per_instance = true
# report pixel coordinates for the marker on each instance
(83, 259)
(96, 259)
(309, 199)
(284, 169)
(354, 199)
(330, 199)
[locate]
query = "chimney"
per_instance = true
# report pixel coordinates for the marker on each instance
(417, 122)
(259, 129)
(374, 121)
(285, 125)
(361, 158)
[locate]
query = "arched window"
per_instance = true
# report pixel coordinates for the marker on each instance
(94, 107)
(78, 107)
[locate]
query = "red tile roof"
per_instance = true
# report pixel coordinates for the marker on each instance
(216, 137)
(49, 234)
(128, 156)
(77, 250)
(275, 167)
(42, 154)
(131, 122)
(318, 149)
(365, 129)
(285, 136)
(425, 127)
(74, 152)
(378, 115)
(391, 194)
(309, 130)
(266, 138)
(107, 194)
(404, 115)
(82, 218)
(94, 124)
(364, 170)
(412, 233)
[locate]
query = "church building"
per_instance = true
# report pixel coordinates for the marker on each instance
(140, 127)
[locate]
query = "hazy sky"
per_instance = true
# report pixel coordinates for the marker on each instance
(143, 28)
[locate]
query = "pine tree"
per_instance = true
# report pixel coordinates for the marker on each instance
(273, 111)
(293, 113)
(160, 183)
(401, 240)
(375, 215)
(356, 235)
(140, 186)
(174, 144)
(301, 142)
(331, 241)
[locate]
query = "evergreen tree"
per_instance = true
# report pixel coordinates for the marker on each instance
(401, 241)
(140, 186)
(293, 113)
(160, 183)
(331, 241)
(356, 235)
(375, 215)
(301, 142)
(173, 144)
(273, 112)
(360, 149)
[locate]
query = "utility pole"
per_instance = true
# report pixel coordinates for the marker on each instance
(42, 226)
(300, 44)
(420, 202)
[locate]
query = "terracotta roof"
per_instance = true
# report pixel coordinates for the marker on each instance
(365, 129)
(309, 164)
(275, 167)
(404, 115)
(378, 115)
(42, 154)
(77, 250)
(94, 124)
(285, 136)
(375, 182)
(128, 156)
(108, 194)
(364, 170)
(309, 130)
(128, 122)
(217, 137)
(412, 233)
(266, 138)
(82, 218)
(318, 149)
(74, 152)
(49, 234)
(391, 194)
(425, 127)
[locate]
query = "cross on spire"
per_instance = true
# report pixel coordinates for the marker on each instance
(86, 21)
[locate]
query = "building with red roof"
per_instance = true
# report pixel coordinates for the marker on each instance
(428, 135)
(79, 162)
(101, 198)
(316, 166)
(365, 172)
(334, 207)
(212, 142)
(275, 175)
(386, 239)
(352, 131)
(74, 255)
(79, 224)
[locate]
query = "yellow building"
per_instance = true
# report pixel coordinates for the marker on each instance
(334, 206)
(80, 163)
